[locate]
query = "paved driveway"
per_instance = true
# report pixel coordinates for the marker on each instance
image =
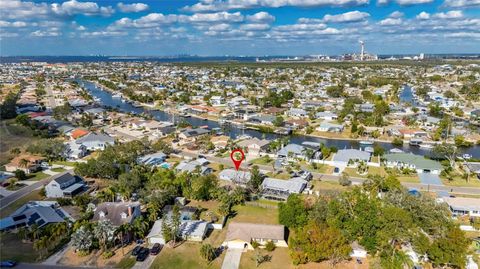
(430, 179)
(145, 264)
(232, 258)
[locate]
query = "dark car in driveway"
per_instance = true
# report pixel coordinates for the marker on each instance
(143, 254)
(136, 250)
(155, 249)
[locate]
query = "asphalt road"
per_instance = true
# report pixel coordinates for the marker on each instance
(334, 178)
(43, 266)
(4, 202)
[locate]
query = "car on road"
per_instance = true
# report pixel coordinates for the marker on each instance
(136, 250)
(142, 255)
(8, 263)
(155, 249)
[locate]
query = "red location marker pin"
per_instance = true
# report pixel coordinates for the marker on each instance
(237, 157)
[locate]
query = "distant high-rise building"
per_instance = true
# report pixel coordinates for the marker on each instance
(422, 56)
(362, 48)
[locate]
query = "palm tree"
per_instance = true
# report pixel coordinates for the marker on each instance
(23, 163)
(140, 227)
(123, 230)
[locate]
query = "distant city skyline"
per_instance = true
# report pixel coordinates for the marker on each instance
(238, 27)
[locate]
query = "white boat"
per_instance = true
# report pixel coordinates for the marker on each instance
(426, 146)
(366, 142)
(395, 150)
(117, 95)
(467, 156)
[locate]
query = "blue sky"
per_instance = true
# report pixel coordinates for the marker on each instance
(238, 27)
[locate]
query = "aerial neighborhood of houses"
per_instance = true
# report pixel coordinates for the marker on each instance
(128, 165)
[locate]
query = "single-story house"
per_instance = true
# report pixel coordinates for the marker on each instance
(64, 185)
(94, 141)
(262, 119)
(241, 235)
(254, 145)
(190, 230)
(193, 133)
(153, 159)
(237, 177)
(330, 127)
(328, 116)
(297, 112)
(461, 206)
(412, 161)
(191, 166)
(292, 151)
(344, 156)
(473, 168)
(117, 212)
(40, 213)
(279, 189)
(74, 151)
(26, 163)
(220, 141)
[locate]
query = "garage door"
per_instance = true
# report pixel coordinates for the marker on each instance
(153, 240)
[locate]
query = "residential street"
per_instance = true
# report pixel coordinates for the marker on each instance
(4, 202)
(327, 177)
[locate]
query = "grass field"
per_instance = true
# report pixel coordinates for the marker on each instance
(13, 136)
(33, 196)
(58, 169)
(255, 214)
(265, 160)
(12, 248)
(325, 186)
(185, 256)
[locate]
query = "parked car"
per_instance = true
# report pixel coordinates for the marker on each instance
(142, 255)
(136, 250)
(8, 263)
(155, 249)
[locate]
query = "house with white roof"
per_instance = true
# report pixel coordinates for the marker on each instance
(238, 177)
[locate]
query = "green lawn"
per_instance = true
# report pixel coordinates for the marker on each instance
(12, 248)
(72, 164)
(127, 262)
(33, 196)
(58, 169)
(325, 186)
(185, 256)
(265, 160)
(255, 214)
(37, 176)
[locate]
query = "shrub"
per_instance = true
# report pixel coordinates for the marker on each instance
(270, 246)
(255, 244)
(108, 254)
(344, 180)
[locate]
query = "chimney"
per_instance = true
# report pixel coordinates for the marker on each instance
(130, 210)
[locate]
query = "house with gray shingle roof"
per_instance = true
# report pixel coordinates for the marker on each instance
(412, 161)
(95, 141)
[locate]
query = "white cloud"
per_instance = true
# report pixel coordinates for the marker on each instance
(218, 5)
(423, 16)
(453, 14)
(40, 33)
(390, 22)
(382, 2)
(461, 3)
(352, 16)
(135, 7)
(261, 17)
(255, 27)
(214, 17)
(74, 7)
(15, 24)
(396, 14)
(413, 2)
(219, 27)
